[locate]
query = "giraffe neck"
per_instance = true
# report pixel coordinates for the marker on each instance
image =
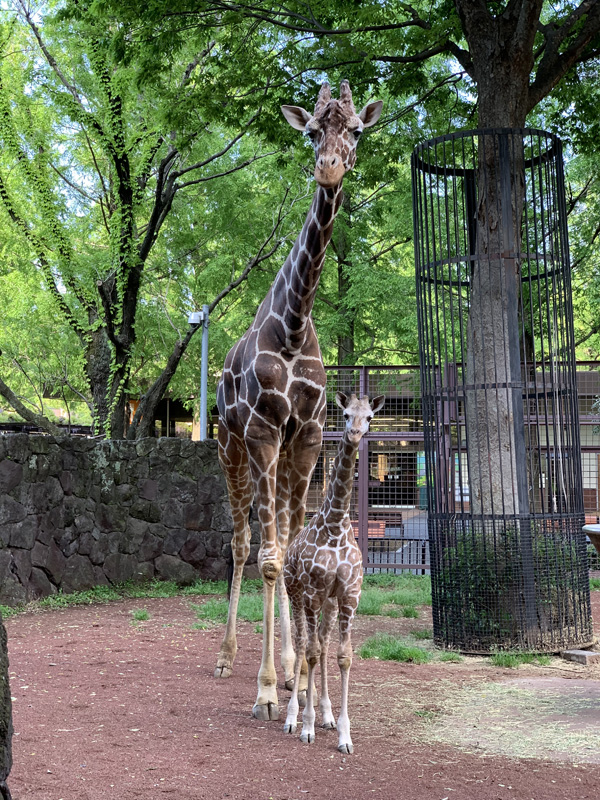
(296, 284)
(339, 492)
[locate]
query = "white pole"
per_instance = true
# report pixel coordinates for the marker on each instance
(204, 375)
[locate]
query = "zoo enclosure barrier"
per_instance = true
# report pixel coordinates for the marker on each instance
(389, 499)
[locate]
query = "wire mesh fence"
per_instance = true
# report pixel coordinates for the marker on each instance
(502, 448)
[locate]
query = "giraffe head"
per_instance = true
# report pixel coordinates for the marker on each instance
(358, 413)
(334, 129)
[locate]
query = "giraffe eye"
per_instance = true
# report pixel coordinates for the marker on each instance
(346, 415)
(312, 134)
(357, 134)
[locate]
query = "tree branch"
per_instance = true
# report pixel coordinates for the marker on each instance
(24, 412)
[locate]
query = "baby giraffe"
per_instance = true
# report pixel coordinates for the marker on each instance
(323, 573)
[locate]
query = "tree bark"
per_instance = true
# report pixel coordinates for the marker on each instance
(6, 724)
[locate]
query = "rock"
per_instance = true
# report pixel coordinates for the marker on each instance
(78, 574)
(11, 475)
(10, 510)
(120, 567)
(143, 509)
(148, 489)
(197, 517)
(172, 514)
(150, 548)
(214, 569)
(194, 551)
(39, 585)
(174, 542)
(184, 489)
(171, 568)
(66, 481)
(50, 559)
(23, 534)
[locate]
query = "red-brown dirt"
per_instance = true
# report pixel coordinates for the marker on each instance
(107, 709)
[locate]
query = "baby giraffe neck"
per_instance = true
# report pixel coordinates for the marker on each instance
(339, 492)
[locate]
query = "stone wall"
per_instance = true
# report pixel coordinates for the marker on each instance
(77, 513)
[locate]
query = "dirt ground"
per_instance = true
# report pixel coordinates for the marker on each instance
(105, 708)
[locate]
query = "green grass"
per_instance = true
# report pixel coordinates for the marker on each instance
(594, 584)
(392, 648)
(130, 590)
(140, 615)
(513, 660)
(422, 634)
(250, 609)
(454, 658)
(383, 595)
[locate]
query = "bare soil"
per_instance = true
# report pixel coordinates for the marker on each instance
(104, 708)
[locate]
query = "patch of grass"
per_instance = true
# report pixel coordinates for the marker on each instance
(594, 584)
(454, 658)
(410, 612)
(130, 590)
(371, 602)
(140, 615)
(422, 634)
(392, 648)
(250, 609)
(382, 591)
(513, 660)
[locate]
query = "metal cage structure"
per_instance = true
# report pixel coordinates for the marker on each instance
(499, 395)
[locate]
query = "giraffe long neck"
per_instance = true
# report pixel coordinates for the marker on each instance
(296, 284)
(339, 491)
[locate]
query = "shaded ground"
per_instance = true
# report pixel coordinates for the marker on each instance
(105, 709)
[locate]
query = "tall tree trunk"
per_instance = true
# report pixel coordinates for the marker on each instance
(6, 724)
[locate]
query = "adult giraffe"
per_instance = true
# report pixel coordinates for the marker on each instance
(271, 397)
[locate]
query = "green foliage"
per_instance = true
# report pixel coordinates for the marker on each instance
(449, 656)
(392, 648)
(140, 615)
(422, 634)
(250, 609)
(394, 598)
(594, 584)
(481, 581)
(513, 660)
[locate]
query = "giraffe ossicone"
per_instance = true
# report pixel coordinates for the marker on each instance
(271, 396)
(323, 573)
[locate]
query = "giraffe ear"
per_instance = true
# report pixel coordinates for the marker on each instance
(377, 403)
(296, 116)
(342, 400)
(371, 113)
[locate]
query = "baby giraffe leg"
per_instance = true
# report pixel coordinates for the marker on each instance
(328, 618)
(344, 662)
(291, 721)
(312, 656)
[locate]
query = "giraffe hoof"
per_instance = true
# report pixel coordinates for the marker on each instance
(329, 725)
(307, 738)
(289, 684)
(290, 727)
(346, 748)
(302, 698)
(266, 712)
(223, 672)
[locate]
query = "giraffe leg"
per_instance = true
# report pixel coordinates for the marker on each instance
(313, 652)
(263, 455)
(291, 721)
(232, 455)
(347, 610)
(282, 509)
(302, 457)
(326, 626)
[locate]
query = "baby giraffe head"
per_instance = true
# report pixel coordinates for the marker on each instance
(334, 129)
(358, 413)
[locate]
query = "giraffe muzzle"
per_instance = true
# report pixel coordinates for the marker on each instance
(329, 171)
